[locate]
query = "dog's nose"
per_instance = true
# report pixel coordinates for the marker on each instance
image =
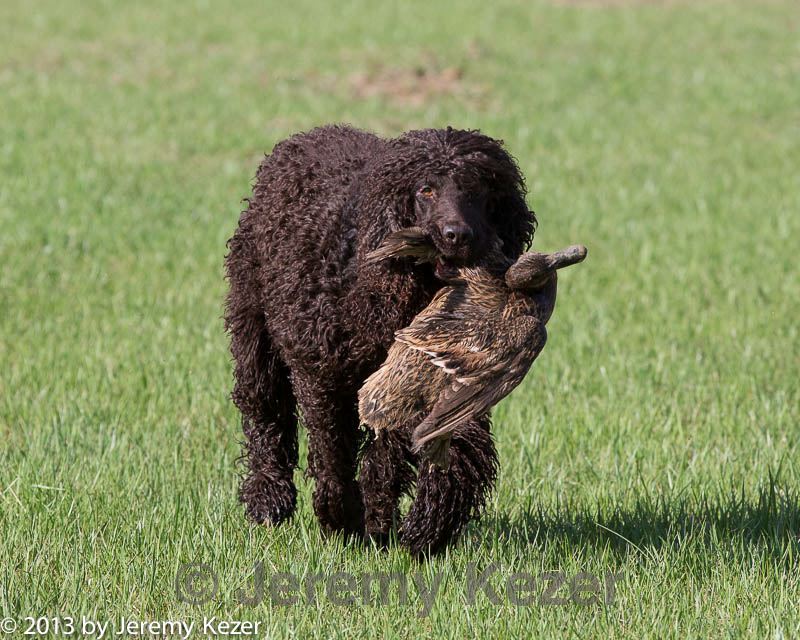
(456, 234)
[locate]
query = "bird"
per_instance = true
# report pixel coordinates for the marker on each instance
(468, 349)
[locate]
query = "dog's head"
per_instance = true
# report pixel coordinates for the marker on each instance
(457, 218)
(465, 191)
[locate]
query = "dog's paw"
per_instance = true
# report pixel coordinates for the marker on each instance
(268, 502)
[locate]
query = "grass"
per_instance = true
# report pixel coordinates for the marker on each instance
(657, 436)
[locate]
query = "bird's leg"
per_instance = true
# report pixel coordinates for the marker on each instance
(437, 452)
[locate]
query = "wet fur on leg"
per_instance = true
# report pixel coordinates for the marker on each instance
(269, 453)
(447, 500)
(387, 473)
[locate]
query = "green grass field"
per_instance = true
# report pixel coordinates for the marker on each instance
(656, 437)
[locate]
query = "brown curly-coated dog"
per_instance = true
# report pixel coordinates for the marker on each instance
(309, 320)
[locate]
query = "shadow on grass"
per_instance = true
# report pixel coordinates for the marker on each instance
(769, 520)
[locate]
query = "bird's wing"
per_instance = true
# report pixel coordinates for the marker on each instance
(411, 242)
(432, 326)
(486, 362)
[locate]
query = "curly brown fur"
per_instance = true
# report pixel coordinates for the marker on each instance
(387, 473)
(309, 320)
(447, 500)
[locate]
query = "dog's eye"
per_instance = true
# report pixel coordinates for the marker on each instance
(426, 191)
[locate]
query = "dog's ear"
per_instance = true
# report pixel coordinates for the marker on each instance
(393, 180)
(387, 194)
(513, 222)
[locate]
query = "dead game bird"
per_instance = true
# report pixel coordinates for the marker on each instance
(468, 349)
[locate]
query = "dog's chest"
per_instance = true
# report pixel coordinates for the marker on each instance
(383, 311)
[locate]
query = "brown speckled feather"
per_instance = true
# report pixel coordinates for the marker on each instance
(485, 356)
(467, 350)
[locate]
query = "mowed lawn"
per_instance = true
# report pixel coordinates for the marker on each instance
(655, 439)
